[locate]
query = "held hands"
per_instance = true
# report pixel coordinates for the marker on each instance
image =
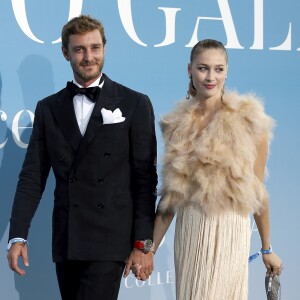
(273, 263)
(140, 263)
(16, 250)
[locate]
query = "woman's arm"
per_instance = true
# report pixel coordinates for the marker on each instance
(161, 225)
(271, 261)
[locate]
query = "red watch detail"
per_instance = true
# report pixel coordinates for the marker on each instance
(145, 245)
(139, 245)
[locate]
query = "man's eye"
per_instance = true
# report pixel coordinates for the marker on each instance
(96, 47)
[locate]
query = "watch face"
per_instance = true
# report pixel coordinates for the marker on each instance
(147, 245)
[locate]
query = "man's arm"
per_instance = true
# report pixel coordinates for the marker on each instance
(31, 184)
(144, 179)
(143, 164)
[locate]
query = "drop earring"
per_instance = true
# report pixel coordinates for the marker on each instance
(223, 89)
(222, 93)
(188, 95)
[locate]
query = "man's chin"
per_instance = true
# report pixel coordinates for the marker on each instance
(90, 77)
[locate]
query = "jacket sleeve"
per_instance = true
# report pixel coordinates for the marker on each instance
(144, 175)
(32, 180)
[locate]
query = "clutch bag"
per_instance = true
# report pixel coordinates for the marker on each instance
(273, 288)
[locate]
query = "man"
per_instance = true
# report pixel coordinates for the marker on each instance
(103, 157)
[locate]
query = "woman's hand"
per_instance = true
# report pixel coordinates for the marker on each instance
(273, 263)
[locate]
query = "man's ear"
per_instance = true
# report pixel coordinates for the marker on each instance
(65, 53)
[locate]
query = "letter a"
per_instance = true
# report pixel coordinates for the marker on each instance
(232, 40)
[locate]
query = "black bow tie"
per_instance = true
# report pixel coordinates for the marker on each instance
(91, 93)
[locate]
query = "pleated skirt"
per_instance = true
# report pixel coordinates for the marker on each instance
(211, 255)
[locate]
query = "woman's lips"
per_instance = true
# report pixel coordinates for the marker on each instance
(210, 86)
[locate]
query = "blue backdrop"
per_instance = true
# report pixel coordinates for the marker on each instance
(148, 50)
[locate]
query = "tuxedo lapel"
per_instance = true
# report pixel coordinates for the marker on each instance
(108, 99)
(63, 110)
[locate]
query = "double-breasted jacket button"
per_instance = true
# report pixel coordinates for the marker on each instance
(72, 179)
(61, 158)
(100, 205)
(100, 180)
(107, 154)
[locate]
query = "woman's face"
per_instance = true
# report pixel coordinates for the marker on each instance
(208, 72)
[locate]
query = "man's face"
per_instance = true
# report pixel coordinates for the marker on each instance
(85, 53)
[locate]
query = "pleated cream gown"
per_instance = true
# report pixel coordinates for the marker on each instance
(211, 255)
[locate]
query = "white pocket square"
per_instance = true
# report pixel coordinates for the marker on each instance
(111, 117)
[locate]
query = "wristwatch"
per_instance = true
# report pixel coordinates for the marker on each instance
(144, 245)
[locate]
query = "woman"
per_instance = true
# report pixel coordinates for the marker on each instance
(216, 147)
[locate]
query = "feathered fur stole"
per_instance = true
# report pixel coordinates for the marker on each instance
(213, 167)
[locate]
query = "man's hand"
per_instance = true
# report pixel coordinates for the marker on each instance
(16, 250)
(140, 263)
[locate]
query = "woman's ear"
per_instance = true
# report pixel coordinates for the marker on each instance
(189, 69)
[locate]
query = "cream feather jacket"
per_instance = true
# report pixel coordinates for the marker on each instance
(212, 167)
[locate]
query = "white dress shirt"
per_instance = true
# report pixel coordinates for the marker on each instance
(83, 106)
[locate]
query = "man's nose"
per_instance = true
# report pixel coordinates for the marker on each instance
(88, 55)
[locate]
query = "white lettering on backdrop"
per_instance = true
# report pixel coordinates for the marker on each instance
(157, 278)
(125, 12)
(19, 9)
(3, 118)
(16, 128)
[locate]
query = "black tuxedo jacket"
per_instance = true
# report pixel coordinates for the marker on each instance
(105, 181)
